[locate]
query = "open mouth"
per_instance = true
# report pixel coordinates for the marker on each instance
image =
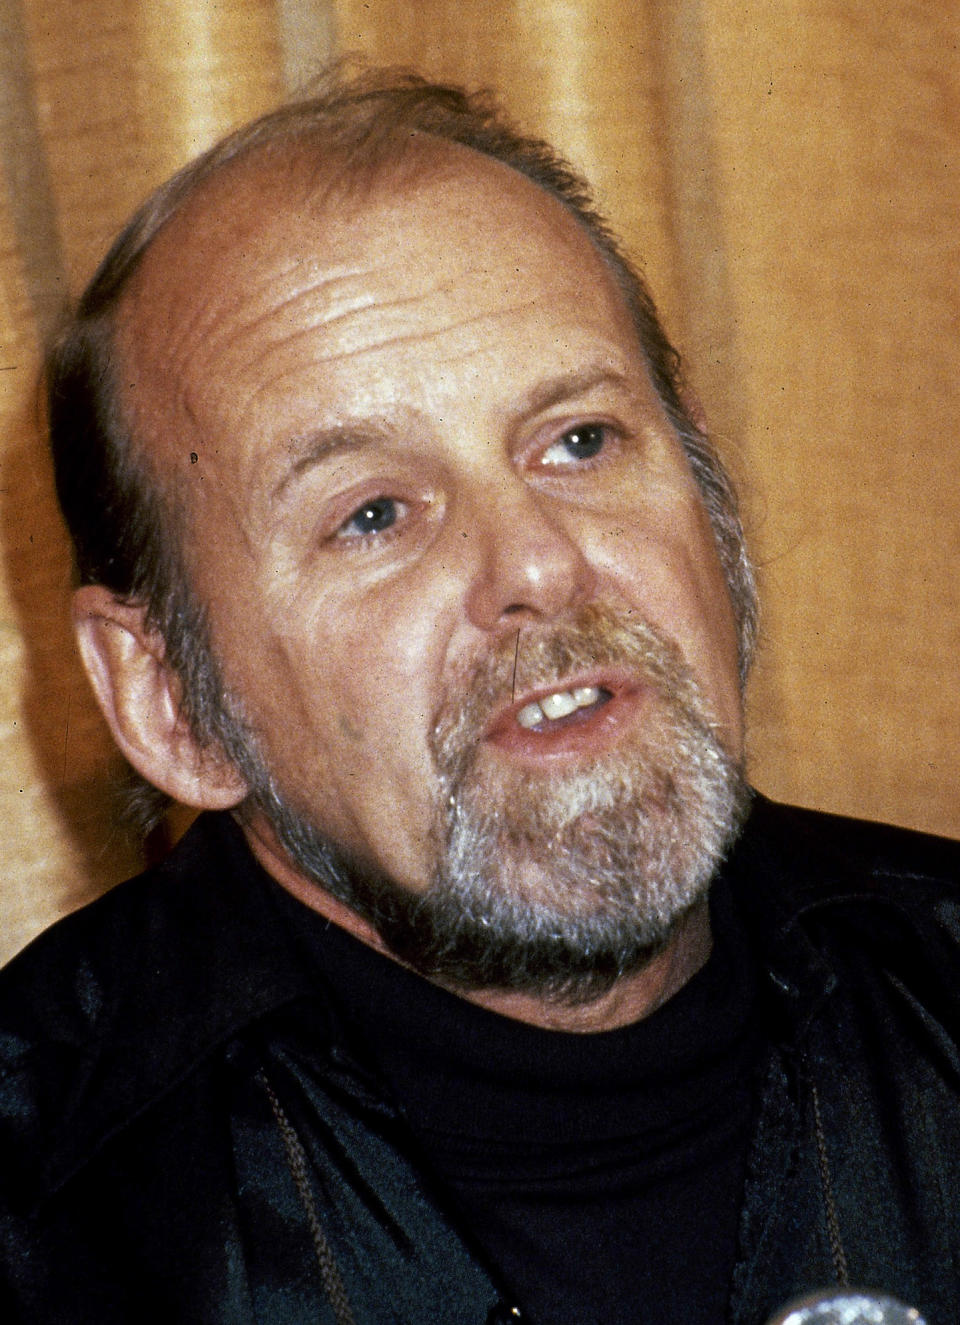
(562, 708)
(574, 720)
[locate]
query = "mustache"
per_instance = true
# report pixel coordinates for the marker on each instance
(595, 636)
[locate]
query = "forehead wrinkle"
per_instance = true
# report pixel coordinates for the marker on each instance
(224, 341)
(254, 294)
(207, 335)
(421, 337)
(325, 288)
(333, 285)
(218, 322)
(162, 332)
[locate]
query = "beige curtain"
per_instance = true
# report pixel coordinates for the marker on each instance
(788, 174)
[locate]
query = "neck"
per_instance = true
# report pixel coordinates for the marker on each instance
(632, 998)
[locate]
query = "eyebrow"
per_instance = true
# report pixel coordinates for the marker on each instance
(555, 390)
(320, 444)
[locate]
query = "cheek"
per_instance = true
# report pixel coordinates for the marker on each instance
(376, 791)
(665, 566)
(351, 699)
(712, 634)
(342, 685)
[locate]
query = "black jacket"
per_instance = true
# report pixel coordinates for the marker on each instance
(187, 1133)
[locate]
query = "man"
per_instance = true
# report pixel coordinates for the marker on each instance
(481, 991)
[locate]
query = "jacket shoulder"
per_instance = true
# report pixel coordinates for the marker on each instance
(818, 849)
(112, 1004)
(818, 890)
(62, 985)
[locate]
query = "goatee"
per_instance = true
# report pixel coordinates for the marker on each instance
(556, 885)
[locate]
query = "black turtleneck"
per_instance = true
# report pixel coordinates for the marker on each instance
(601, 1174)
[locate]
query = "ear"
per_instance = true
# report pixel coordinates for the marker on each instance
(139, 696)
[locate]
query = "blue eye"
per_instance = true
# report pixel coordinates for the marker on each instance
(582, 443)
(373, 517)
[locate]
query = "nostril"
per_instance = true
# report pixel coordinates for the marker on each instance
(525, 568)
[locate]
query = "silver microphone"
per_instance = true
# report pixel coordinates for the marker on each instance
(846, 1306)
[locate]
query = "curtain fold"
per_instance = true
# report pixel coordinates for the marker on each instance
(789, 177)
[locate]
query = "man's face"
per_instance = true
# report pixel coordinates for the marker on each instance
(413, 430)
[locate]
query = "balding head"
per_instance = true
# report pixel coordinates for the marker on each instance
(377, 133)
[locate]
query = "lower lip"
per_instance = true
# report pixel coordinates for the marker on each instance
(586, 732)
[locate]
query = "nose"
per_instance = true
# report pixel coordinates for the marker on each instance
(530, 560)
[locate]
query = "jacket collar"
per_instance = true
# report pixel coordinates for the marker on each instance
(186, 956)
(179, 959)
(809, 885)
(777, 872)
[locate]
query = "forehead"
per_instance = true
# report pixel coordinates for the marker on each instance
(268, 297)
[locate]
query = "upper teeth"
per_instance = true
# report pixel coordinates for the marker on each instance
(557, 705)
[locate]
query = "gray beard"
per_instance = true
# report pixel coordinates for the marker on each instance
(556, 887)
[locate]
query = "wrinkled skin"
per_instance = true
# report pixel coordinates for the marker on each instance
(387, 400)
